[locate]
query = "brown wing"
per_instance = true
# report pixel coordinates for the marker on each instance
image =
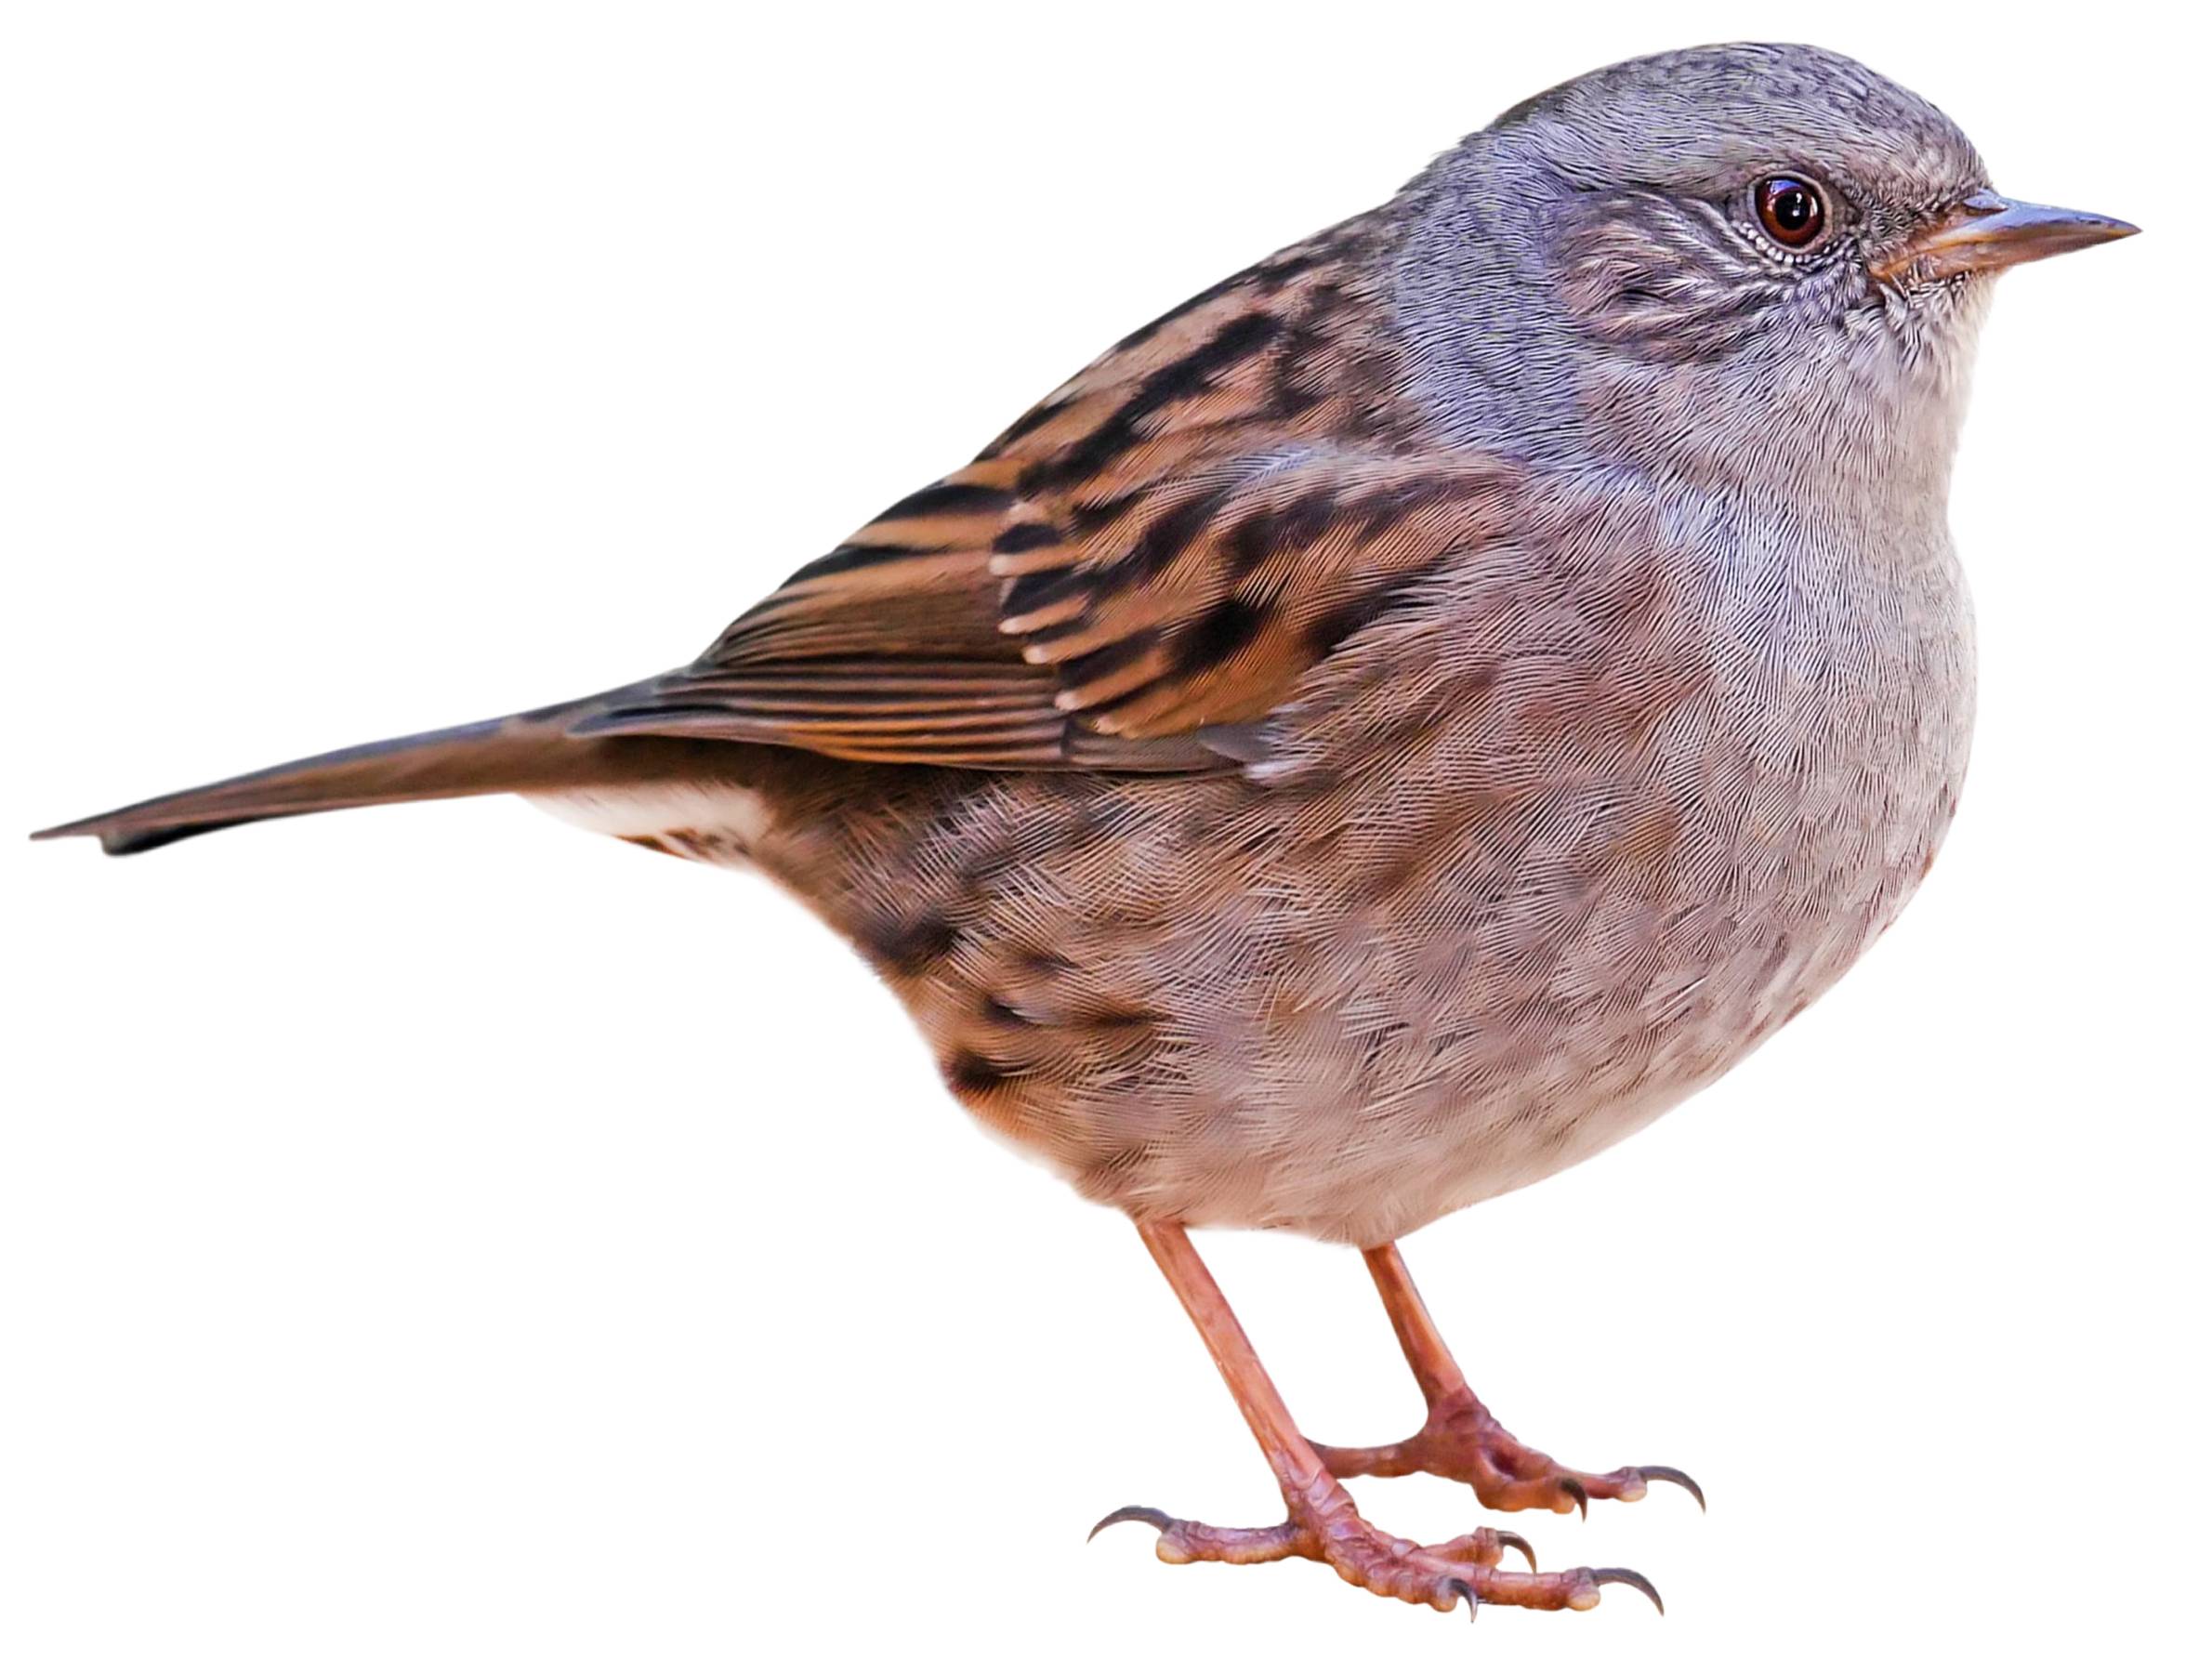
(1161, 547)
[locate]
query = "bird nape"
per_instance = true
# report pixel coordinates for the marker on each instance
(1390, 726)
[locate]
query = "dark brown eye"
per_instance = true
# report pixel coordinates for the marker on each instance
(1790, 210)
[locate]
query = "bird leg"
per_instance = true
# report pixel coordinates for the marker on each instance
(1461, 1441)
(1322, 1525)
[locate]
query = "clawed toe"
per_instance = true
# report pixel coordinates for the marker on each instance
(1627, 1485)
(1462, 1572)
(1462, 1442)
(1159, 1520)
(1180, 1541)
(1485, 1546)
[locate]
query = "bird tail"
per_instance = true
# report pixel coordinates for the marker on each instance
(521, 754)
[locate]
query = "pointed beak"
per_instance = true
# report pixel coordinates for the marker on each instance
(1987, 231)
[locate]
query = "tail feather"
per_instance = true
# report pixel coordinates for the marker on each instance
(522, 753)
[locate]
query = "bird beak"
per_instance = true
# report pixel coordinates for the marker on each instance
(1987, 231)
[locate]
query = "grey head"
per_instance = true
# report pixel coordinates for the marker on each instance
(1720, 264)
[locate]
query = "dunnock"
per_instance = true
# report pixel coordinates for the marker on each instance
(1388, 727)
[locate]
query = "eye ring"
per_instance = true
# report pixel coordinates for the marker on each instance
(1791, 210)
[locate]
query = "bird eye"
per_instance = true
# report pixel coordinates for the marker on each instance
(1790, 210)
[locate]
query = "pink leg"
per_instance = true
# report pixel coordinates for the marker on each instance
(1461, 1441)
(1322, 1525)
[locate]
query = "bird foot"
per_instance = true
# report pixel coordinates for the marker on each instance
(1463, 1572)
(1462, 1442)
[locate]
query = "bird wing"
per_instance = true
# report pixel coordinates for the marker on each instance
(1148, 561)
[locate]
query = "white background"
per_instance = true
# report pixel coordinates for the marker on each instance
(436, 1232)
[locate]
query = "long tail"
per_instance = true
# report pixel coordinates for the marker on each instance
(522, 753)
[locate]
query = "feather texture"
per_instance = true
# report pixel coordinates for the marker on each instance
(1398, 721)
(1163, 547)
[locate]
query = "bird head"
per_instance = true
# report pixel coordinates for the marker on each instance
(1723, 262)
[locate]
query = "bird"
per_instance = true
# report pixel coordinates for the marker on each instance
(1388, 727)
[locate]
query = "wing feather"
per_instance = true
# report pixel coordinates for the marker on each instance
(1136, 573)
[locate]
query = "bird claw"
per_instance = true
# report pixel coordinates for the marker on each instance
(1515, 1541)
(1673, 1477)
(1466, 1592)
(1633, 1579)
(1157, 1518)
(1575, 1489)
